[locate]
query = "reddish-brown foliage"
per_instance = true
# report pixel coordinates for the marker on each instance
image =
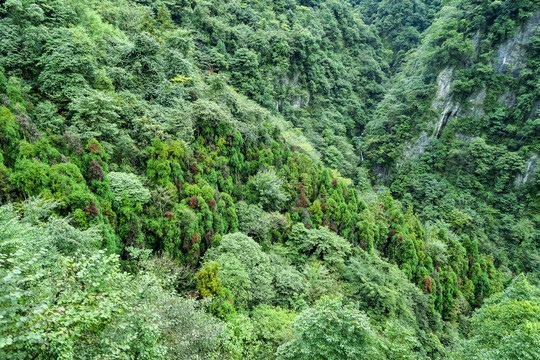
(323, 208)
(94, 171)
(94, 148)
(169, 215)
(193, 294)
(193, 202)
(325, 221)
(194, 169)
(195, 238)
(428, 285)
(333, 227)
(212, 204)
(459, 282)
(334, 183)
(302, 200)
(91, 209)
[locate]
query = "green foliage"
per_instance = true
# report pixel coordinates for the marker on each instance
(63, 298)
(268, 187)
(95, 115)
(209, 285)
(272, 326)
(126, 187)
(318, 244)
(401, 309)
(253, 276)
(331, 330)
(507, 326)
(273, 118)
(68, 64)
(47, 117)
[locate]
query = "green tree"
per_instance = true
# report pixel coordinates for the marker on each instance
(127, 186)
(95, 114)
(507, 326)
(318, 244)
(331, 330)
(61, 297)
(268, 187)
(209, 285)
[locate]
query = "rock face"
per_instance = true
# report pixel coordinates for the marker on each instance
(444, 101)
(297, 96)
(508, 99)
(381, 173)
(463, 137)
(534, 110)
(444, 85)
(476, 104)
(511, 55)
(531, 165)
(476, 42)
(417, 148)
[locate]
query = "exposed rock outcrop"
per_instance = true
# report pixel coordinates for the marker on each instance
(512, 54)
(463, 137)
(475, 106)
(530, 166)
(381, 173)
(444, 101)
(534, 110)
(297, 96)
(413, 150)
(508, 99)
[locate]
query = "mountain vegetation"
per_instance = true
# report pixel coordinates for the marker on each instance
(290, 179)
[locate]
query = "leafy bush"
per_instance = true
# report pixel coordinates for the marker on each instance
(127, 187)
(268, 186)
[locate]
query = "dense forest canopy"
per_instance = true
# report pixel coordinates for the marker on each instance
(290, 179)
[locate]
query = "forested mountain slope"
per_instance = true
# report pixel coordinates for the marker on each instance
(399, 23)
(269, 179)
(456, 136)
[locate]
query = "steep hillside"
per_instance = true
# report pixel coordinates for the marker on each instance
(456, 136)
(399, 23)
(206, 180)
